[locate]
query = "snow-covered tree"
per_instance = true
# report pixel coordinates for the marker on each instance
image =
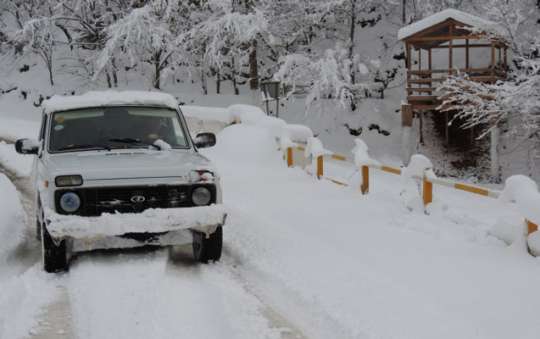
(147, 35)
(38, 37)
(225, 37)
(328, 77)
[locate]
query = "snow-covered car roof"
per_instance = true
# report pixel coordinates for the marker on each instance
(109, 98)
(437, 18)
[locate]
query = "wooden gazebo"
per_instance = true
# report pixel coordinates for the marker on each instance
(444, 44)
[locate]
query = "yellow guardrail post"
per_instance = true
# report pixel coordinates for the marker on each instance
(531, 227)
(320, 167)
(290, 157)
(365, 180)
(427, 191)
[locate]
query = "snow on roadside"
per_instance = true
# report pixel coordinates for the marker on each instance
(11, 219)
(13, 129)
(24, 291)
(18, 164)
(400, 274)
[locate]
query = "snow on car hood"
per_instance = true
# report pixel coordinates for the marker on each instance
(127, 164)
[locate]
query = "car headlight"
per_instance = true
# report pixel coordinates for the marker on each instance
(68, 180)
(70, 202)
(201, 196)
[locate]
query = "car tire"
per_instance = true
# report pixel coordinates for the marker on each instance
(55, 257)
(208, 249)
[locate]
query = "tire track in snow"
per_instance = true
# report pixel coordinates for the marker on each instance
(55, 320)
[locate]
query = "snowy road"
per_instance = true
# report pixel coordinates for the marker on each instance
(302, 259)
(139, 294)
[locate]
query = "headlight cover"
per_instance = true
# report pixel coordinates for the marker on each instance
(68, 180)
(201, 196)
(70, 202)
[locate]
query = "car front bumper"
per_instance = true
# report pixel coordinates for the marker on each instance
(160, 227)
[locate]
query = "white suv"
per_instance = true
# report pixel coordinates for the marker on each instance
(120, 170)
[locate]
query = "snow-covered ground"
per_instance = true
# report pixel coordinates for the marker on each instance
(303, 259)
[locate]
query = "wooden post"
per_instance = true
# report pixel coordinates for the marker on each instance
(320, 168)
(492, 58)
(446, 129)
(467, 63)
(419, 59)
(427, 191)
(531, 227)
(406, 115)
(409, 63)
(365, 180)
(290, 157)
(450, 54)
(430, 67)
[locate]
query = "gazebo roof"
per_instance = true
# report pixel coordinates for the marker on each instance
(462, 17)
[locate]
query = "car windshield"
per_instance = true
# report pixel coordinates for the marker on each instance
(116, 127)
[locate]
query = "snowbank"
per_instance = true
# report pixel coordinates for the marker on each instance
(106, 98)
(149, 221)
(11, 218)
(297, 133)
(18, 164)
(247, 145)
(508, 229)
(246, 114)
(361, 155)
(534, 243)
(13, 129)
(315, 148)
(418, 166)
(524, 192)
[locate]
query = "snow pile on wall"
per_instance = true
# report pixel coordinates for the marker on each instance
(509, 229)
(246, 114)
(149, 221)
(315, 148)
(419, 166)
(361, 155)
(298, 133)
(11, 219)
(106, 98)
(524, 192)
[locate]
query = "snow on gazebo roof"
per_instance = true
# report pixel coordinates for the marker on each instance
(437, 18)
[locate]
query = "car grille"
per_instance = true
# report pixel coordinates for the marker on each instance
(95, 201)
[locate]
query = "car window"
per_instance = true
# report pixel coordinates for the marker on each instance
(116, 127)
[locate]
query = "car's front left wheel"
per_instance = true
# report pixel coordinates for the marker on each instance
(55, 257)
(207, 249)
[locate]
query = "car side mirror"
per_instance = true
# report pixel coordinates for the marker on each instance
(26, 146)
(203, 140)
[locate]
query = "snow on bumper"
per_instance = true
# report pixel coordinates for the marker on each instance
(203, 219)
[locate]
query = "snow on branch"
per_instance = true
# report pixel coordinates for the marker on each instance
(328, 77)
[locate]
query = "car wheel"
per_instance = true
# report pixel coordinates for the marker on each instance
(55, 257)
(208, 249)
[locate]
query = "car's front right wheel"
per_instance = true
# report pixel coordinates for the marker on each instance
(207, 249)
(55, 257)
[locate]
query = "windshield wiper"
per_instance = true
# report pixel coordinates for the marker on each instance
(84, 146)
(134, 141)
